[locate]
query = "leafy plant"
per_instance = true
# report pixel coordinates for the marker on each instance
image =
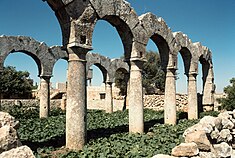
(15, 84)
(228, 103)
(107, 133)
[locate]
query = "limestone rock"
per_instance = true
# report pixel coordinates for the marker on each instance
(233, 154)
(208, 120)
(163, 156)
(185, 149)
(222, 150)
(225, 136)
(227, 124)
(207, 155)
(218, 123)
(200, 138)
(7, 119)
(21, 152)
(225, 115)
(215, 134)
(198, 127)
(8, 138)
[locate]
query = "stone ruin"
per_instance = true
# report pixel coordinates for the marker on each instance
(212, 137)
(10, 145)
(77, 19)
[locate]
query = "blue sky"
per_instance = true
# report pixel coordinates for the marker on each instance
(211, 22)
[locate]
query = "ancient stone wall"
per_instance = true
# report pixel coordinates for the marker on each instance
(155, 102)
(28, 102)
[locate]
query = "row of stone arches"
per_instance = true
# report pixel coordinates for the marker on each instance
(46, 57)
(78, 18)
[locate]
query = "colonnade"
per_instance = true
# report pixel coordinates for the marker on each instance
(77, 29)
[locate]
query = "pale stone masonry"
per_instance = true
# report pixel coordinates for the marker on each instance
(212, 137)
(77, 21)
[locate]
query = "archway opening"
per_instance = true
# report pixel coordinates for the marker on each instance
(59, 79)
(157, 56)
(23, 85)
(96, 87)
(121, 37)
(181, 78)
(121, 82)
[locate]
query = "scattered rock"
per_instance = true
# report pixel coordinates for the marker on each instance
(200, 138)
(7, 119)
(8, 138)
(222, 150)
(185, 149)
(20, 152)
(224, 136)
(207, 155)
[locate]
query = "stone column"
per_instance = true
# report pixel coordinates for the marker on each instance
(1, 70)
(127, 81)
(136, 112)
(44, 96)
(208, 90)
(192, 96)
(108, 97)
(76, 107)
(63, 102)
(170, 97)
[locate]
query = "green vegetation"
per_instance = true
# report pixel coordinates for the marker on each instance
(107, 134)
(15, 84)
(228, 103)
(153, 75)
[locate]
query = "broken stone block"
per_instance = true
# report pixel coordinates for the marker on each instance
(8, 138)
(222, 150)
(185, 149)
(200, 138)
(225, 136)
(20, 152)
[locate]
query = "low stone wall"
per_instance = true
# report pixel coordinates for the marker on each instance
(156, 102)
(28, 102)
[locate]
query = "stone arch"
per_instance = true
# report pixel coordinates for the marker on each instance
(118, 64)
(205, 58)
(188, 51)
(38, 51)
(58, 54)
(84, 15)
(103, 63)
(156, 29)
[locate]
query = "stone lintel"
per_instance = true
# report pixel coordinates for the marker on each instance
(77, 45)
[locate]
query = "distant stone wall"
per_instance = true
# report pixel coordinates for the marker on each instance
(156, 102)
(28, 102)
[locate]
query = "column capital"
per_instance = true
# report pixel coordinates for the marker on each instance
(77, 53)
(46, 77)
(192, 76)
(136, 63)
(170, 72)
(109, 82)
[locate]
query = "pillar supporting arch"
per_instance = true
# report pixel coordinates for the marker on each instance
(44, 96)
(76, 107)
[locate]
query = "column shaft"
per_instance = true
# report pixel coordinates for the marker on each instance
(208, 91)
(192, 97)
(44, 96)
(170, 98)
(136, 112)
(76, 101)
(108, 97)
